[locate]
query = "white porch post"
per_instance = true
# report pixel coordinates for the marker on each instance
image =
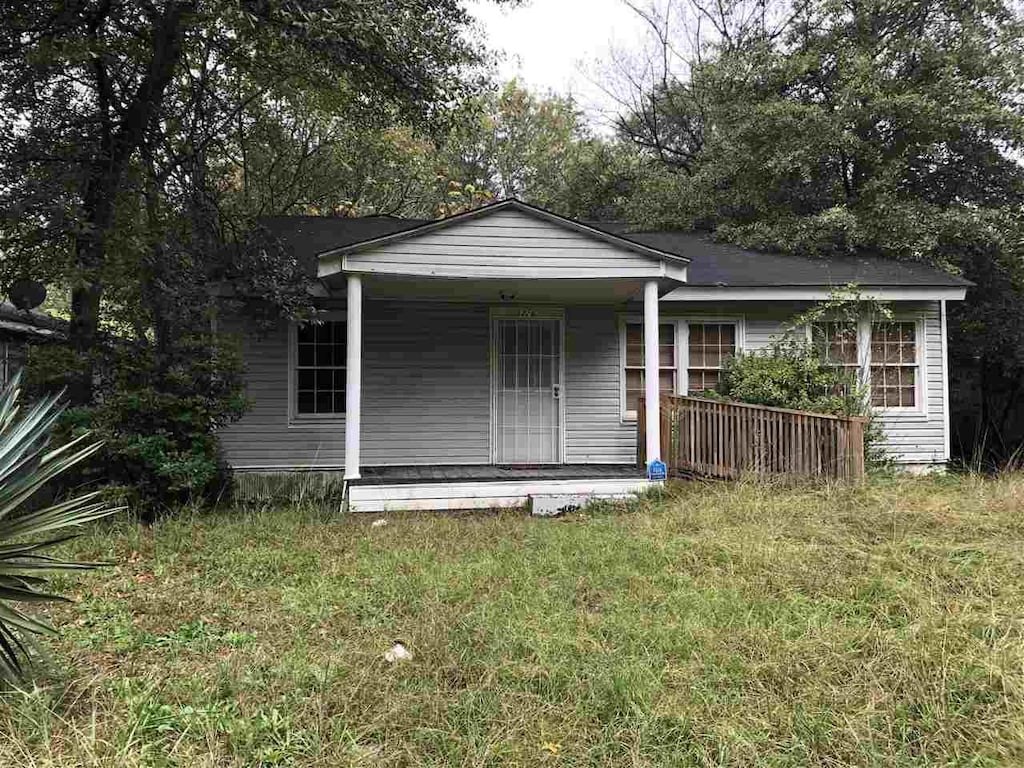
(353, 373)
(651, 371)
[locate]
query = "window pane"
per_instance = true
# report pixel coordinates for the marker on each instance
(702, 379)
(838, 342)
(711, 344)
(894, 365)
(320, 378)
(324, 402)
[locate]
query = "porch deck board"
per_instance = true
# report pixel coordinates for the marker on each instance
(462, 473)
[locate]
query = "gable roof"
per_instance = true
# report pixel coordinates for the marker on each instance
(710, 263)
(516, 205)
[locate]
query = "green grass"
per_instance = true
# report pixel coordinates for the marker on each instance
(723, 625)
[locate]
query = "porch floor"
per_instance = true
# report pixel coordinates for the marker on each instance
(462, 473)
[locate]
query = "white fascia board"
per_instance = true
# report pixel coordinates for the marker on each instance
(813, 293)
(675, 271)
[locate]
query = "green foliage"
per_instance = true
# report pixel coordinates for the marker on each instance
(794, 372)
(28, 462)
(790, 373)
(157, 418)
(836, 128)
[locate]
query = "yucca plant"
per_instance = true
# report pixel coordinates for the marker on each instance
(28, 461)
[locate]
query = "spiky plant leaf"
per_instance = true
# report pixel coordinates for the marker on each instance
(27, 463)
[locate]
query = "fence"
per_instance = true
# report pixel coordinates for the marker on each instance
(727, 440)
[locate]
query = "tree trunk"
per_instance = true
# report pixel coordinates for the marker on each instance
(103, 183)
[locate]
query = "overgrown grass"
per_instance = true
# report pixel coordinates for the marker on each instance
(724, 625)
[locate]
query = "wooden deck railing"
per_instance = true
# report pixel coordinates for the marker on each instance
(728, 440)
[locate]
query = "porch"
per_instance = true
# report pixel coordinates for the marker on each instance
(549, 489)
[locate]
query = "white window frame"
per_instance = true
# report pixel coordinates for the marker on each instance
(864, 324)
(296, 419)
(920, 405)
(682, 349)
(627, 416)
(738, 322)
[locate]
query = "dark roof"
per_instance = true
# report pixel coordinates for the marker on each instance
(711, 263)
(722, 264)
(30, 323)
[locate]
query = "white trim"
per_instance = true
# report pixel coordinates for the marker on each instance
(652, 373)
(920, 407)
(353, 373)
(516, 205)
(293, 417)
(525, 312)
(813, 293)
(485, 495)
(681, 328)
(946, 431)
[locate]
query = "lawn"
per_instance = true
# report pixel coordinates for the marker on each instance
(721, 625)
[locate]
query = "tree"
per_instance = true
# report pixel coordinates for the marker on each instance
(893, 127)
(89, 88)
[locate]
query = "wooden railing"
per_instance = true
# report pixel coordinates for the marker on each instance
(729, 440)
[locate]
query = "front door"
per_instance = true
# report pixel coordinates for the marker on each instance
(527, 390)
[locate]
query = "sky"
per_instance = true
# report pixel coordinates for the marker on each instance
(559, 44)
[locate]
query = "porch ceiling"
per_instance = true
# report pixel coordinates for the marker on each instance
(497, 291)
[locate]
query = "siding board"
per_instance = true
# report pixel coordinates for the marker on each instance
(504, 244)
(426, 389)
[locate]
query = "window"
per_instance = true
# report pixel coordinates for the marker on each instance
(320, 368)
(838, 344)
(709, 346)
(894, 365)
(634, 364)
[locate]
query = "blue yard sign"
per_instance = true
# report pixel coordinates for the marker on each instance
(657, 470)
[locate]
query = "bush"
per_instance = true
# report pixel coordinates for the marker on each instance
(792, 373)
(157, 417)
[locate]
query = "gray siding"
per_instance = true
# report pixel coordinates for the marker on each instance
(426, 394)
(506, 244)
(426, 384)
(427, 399)
(921, 438)
(595, 432)
(913, 438)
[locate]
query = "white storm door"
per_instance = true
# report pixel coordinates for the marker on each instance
(527, 384)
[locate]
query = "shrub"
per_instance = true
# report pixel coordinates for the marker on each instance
(157, 416)
(792, 373)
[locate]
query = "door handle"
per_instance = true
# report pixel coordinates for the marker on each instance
(556, 390)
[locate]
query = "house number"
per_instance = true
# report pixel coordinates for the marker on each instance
(526, 313)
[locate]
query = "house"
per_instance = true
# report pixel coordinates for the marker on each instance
(501, 353)
(20, 328)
